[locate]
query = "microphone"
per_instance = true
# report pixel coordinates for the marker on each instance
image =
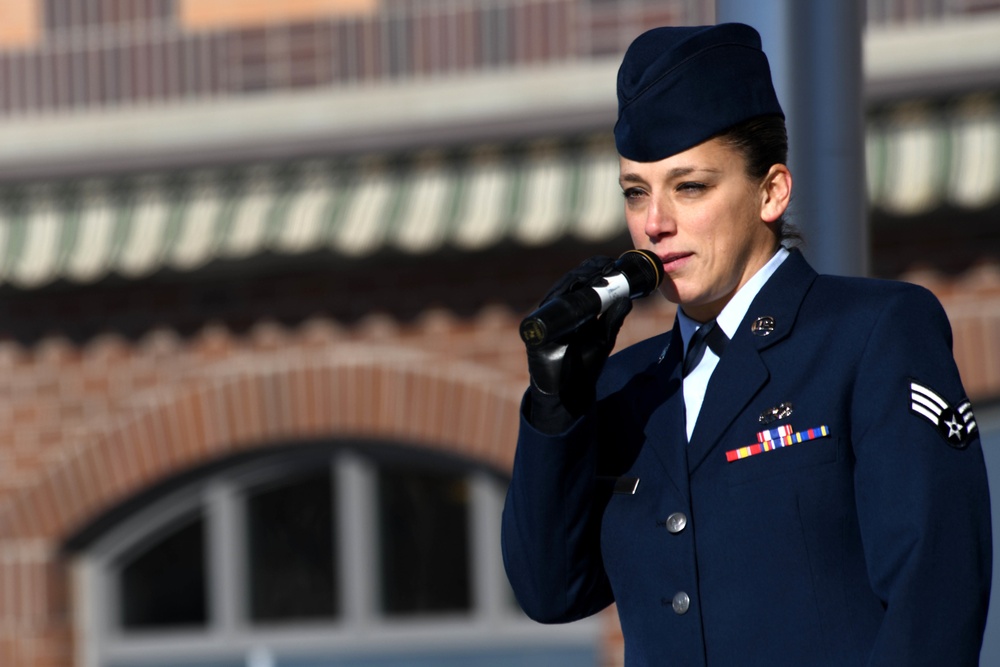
(636, 273)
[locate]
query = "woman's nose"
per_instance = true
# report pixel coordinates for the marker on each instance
(659, 221)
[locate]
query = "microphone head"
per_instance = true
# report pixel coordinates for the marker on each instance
(643, 269)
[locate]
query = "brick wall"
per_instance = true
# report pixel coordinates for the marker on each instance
(89, 425)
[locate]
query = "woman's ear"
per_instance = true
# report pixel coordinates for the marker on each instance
(776, 193)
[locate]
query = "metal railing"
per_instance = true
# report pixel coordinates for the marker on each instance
(125, 53)
(888, 12)
(98, 54)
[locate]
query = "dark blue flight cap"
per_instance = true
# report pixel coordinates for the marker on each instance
(678, 87)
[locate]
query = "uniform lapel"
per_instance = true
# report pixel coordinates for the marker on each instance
(737, 379)
(741, 372)
(665, 428)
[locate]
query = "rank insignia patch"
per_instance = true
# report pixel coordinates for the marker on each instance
(956, 424)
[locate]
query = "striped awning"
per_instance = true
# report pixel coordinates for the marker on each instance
(920, 156)
(932, 154)
(134, 226)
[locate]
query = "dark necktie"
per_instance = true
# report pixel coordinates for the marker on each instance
(709, 334)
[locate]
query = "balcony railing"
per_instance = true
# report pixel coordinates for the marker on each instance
(98, 54)
(122, 53)
(889, 12)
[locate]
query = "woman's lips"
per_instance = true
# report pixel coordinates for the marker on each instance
(674, 260)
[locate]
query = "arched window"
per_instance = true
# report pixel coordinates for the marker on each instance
(329, 554)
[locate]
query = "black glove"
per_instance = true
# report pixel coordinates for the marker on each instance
(564, 373)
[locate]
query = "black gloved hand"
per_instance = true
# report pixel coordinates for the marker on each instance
(564, 373)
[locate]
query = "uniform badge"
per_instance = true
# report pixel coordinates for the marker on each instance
(955, 423)
(763, 326)
(776, 413)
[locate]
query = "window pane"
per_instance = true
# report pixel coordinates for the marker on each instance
(424, 541)
(291, 550)
(164, 585)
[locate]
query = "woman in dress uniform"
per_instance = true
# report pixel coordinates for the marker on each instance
(793, 474)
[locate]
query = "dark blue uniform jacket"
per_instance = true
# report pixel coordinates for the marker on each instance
(869, 545)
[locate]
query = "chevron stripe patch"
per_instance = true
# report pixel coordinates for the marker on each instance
(955, 423)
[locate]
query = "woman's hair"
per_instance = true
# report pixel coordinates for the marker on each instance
(763, 142)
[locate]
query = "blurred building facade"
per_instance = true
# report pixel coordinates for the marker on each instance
(261, 269)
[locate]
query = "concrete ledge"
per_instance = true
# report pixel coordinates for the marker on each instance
(500, 106)
(939, 58)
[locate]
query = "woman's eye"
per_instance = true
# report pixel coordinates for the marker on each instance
(631, 194)
(690, 186)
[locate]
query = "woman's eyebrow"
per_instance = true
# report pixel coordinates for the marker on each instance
(676, 172)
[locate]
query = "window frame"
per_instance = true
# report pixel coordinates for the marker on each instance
(359, 628)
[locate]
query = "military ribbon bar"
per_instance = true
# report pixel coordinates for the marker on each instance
(776, 441)
(775, 433)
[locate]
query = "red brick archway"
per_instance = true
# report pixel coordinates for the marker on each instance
(356, 390)
(353, 390)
